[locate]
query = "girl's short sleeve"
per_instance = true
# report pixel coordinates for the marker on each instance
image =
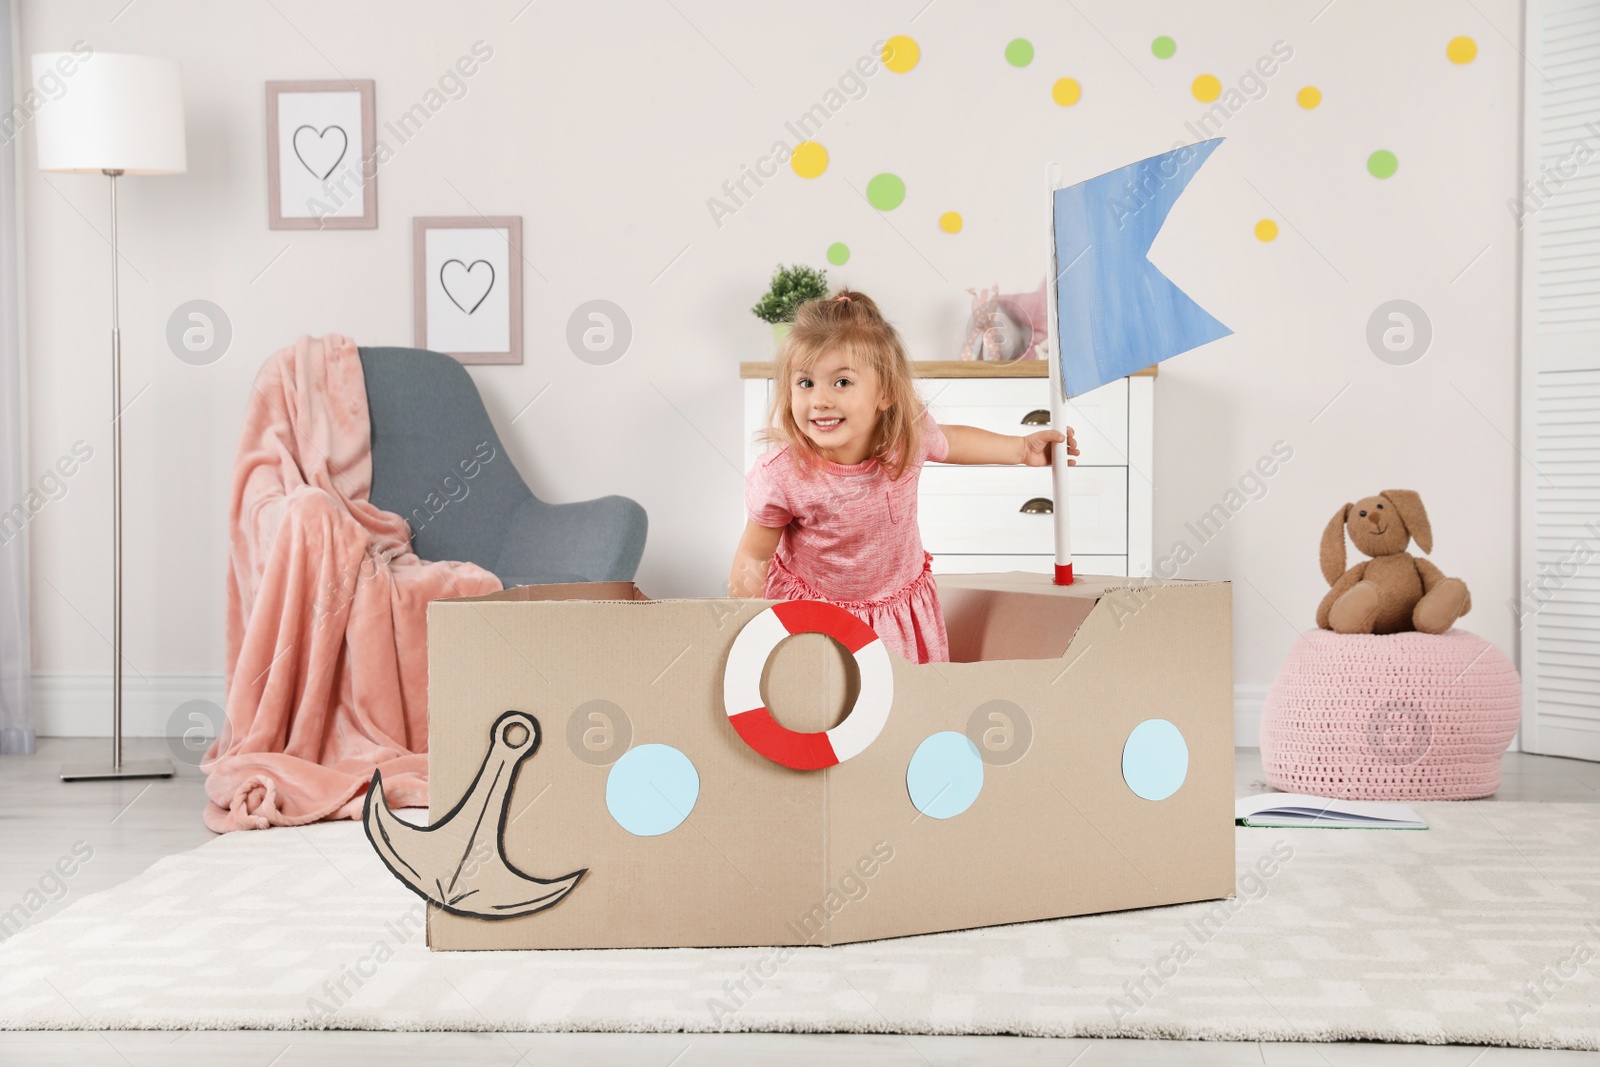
(935, 445)
(764, 499)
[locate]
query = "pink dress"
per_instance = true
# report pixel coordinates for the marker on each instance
(850, 537)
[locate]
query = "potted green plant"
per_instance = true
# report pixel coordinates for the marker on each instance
(791, 287)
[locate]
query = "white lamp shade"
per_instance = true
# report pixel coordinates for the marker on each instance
(118, 112)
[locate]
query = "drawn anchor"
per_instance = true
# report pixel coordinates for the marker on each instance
(459, 864)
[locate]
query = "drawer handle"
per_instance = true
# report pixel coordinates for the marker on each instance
(1037, 417)
(1039, 505)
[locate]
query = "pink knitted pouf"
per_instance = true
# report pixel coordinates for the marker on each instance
(1406, 716)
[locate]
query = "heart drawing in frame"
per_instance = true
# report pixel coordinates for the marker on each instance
(462, 281)
(313, 149)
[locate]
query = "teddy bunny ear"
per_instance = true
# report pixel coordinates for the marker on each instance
(1412, 513)
(1333, 545)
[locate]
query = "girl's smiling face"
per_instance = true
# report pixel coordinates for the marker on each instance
(837, 406)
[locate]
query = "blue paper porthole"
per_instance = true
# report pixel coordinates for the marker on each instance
(651, 790)
(945, 775)
(1155, 759)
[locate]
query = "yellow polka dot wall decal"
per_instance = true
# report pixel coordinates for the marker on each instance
(1462, 50)
(1066, 92)
(900, 54)
(950, 222)
(1206, 88)
(809, 159)
(1266, 230)
(1309, 97)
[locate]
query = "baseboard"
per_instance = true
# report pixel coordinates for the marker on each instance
(79, 705)
(1247, 702)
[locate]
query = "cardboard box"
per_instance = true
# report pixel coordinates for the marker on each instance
(774, 856)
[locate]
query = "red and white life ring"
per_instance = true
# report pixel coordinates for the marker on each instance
(741, 685)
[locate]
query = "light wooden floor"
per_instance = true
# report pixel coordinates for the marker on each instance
(132, 824)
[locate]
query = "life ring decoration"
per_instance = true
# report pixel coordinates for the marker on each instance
(741, 685)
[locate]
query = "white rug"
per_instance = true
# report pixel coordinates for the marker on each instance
(1472, 932)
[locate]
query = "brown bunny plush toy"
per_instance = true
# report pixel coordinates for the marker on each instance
(1393, 591)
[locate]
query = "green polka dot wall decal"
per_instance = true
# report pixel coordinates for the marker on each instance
(1163, 47)
(886, 191)
(1019, 53)
(838, 253)
(1382, 164)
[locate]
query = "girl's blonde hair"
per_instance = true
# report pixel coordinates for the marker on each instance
(848, 321)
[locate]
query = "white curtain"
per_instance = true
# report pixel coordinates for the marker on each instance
(16, 695)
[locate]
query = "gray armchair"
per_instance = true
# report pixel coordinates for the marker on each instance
(427, 419)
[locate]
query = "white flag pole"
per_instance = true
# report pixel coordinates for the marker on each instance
(1058, 403)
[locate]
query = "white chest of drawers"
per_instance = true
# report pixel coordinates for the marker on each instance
(979, 518)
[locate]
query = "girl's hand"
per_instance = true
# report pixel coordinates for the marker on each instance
(1037, 450)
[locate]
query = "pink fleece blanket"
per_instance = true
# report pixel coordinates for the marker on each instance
(327, 669)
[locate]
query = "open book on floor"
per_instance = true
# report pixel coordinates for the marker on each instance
(1299, 809)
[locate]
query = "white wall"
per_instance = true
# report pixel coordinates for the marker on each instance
(607, 127)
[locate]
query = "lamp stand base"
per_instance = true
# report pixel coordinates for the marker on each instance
(134, 768)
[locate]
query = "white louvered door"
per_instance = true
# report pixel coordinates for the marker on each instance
(1559, 572)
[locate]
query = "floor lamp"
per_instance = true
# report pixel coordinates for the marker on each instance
(115, 115)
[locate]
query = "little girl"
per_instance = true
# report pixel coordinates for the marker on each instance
(833, 511)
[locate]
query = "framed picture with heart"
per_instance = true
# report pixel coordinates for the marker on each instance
(467, 286)
(322, 165)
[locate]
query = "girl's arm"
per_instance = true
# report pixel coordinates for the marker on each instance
(751, 559)
(968, 444)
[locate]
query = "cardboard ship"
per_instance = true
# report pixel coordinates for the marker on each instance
(613, 771)
(610, 771)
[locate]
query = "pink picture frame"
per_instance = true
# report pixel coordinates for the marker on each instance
(466, 288)
(321, 174)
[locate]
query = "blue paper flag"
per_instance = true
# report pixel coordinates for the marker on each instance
(1115, 313)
